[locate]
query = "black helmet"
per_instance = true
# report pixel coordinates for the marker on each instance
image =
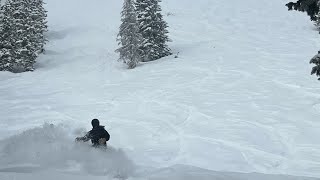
(95, 123)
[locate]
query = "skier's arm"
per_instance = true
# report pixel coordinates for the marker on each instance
(106, 135)
(84, 138)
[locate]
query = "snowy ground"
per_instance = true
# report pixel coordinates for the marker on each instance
(238, 99)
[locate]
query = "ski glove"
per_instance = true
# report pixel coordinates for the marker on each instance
(102, 141)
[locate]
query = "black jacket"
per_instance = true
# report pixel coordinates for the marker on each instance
(95, 134)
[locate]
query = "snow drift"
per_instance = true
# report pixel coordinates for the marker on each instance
(50, 147)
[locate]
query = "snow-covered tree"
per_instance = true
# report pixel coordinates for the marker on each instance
(21, 34)
(153, 29)
(129, 37)
(7, 36)
(39, 15)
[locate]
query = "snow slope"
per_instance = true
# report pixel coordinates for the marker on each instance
(176, 173)
(239, 98)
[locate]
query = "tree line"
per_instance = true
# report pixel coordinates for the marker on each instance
(142, 37)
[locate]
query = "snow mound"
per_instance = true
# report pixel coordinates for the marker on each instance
(52, 147)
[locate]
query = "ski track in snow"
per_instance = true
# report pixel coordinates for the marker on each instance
(239, 97)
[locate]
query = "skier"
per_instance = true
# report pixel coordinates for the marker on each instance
(98, 135)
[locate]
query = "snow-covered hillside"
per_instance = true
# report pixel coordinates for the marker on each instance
(238, 99)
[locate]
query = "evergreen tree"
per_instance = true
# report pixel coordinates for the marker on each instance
(129, 37)
(317, 23)
(39, 15)
(153, 30)
(316, 69)
(21, 34)
(309, 6)
(7, 36)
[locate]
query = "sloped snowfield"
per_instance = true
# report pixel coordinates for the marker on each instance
(238, 99)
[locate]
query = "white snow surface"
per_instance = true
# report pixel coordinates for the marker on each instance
(238, 103)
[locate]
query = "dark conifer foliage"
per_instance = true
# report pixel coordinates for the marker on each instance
(316, 69)
(309, 6)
